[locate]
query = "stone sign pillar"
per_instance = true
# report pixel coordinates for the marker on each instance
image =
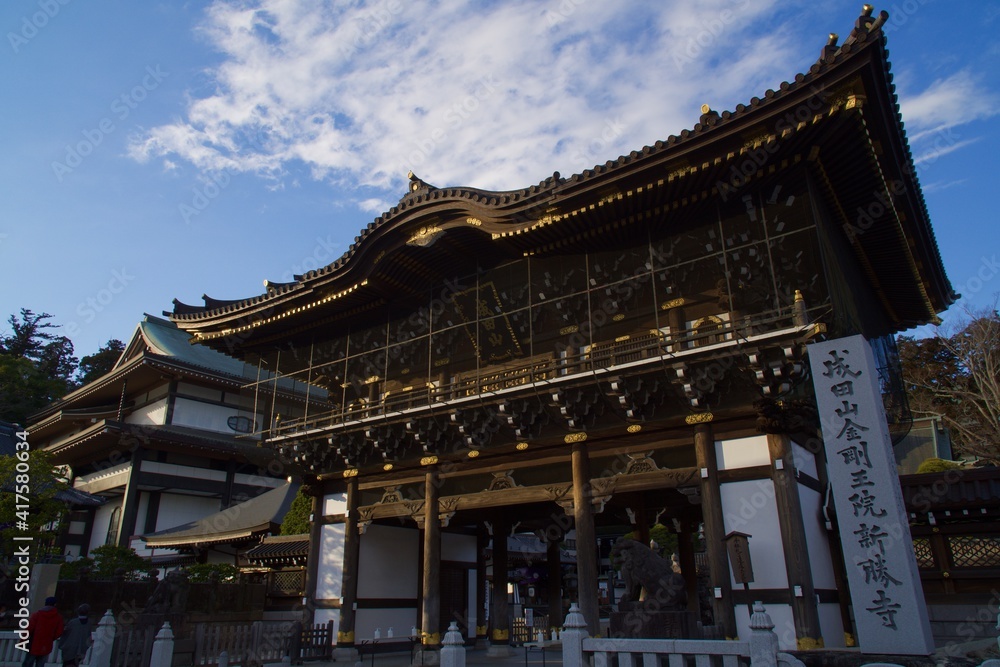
(888, 599)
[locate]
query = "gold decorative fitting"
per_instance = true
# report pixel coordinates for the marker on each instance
(634, 428)
(428, 460)
(568, 330)
(500, 635)
(481, 630)
(442, 362)
(521, 446)
(700, 418)
(387, 467)
(809, 644)
(833, 39)
(849, 640)
(351, 472)
(798, 296)
(473, 453)
(430, 638)
(946, 575)
(475, 222)
(705, 108)
(618, 318)
(372, 380)
(345, 637)
(622, 339)
(425, 236)
(574, 437)
(673, 303)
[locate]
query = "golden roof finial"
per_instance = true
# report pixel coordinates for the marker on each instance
(833, 39)
(705, 108)
(866, 10)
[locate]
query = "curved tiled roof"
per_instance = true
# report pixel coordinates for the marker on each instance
(503, 214)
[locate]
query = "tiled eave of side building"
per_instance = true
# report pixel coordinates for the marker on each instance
(841, 119)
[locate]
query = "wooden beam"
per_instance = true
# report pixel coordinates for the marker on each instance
(805, 611)
(431, 616)
(715, 529)
(586, 539)
(349, 582)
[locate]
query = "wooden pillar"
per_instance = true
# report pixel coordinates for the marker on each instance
(586, 539)
(312, 559)
(715, 530)
(227, 490)
(431, 616)
(689, 569)
(499, 621)
(805, 610)
(130, 503)
(642, 524)
(349, 581)
(482, 543)
(553, 558)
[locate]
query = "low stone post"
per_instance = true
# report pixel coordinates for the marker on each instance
(224, 659)
(163, 647)
(573, 634)
(453, 648)
(763, 641)
(104, 641)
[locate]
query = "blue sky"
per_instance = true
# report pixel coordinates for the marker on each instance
(153, 151)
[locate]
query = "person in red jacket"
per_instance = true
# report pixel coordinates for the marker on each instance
(44, 627)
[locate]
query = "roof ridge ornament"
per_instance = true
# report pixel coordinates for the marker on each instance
(417, 184)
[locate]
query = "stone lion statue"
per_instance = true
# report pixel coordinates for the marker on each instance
(643, 570)
(170, 595)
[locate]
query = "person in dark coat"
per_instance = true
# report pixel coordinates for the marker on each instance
(75, 639)
(44, 628)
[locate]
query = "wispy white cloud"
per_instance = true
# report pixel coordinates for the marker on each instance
(955, 100)
(942, 185)
(941, 150)
(488, 95)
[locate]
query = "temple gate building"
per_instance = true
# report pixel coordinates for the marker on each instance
(621, 346)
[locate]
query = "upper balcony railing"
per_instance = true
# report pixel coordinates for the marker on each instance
(713, 336)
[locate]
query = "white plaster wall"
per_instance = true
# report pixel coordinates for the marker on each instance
(203, 415)
(458, 548)
(389, 563)
(750, 507)
(400, 620)
(804, 460)
(742, 452)
(191, 472)
(77, 527)
(258, 480)
(817, 541)
(154, 413)
(176, 509)
(140, 515)
(330, 574)
(208, 393)
(101, 519)
(334, 503)
(473, 609)
(831, 626)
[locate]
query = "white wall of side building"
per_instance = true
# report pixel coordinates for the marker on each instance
(176, 509)
(207, 416)
(102, 518)
(154, 413)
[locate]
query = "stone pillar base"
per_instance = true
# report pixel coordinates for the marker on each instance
(499, 651)
(346, 654)
(426, 656)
